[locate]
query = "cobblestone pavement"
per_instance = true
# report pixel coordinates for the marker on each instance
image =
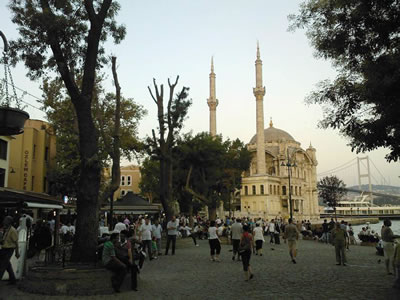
(190, 274)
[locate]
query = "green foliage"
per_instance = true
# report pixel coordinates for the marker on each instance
(216, 165)
(69, 21)
(331, 190)
(362, 39)
(62, 117)
(149, 184)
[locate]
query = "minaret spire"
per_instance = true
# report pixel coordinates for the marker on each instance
(212, 101)
(259, 92)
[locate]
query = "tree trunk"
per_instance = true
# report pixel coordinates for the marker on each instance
(85, 242)
(212, 213)
(191, 215)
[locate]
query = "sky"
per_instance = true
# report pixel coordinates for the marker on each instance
(179, 37)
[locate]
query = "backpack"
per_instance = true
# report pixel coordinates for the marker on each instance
(244, 245)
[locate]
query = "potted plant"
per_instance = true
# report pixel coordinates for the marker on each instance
(12, 119)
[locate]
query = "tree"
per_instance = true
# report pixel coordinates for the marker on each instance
(170, 122)
(362, 39)
(149, 184)
(67, 37)
(331, 190)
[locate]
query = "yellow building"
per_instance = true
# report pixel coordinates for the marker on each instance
(4, 160)
(32, 155)
(130, 178)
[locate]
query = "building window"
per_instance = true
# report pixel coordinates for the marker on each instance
(34, 152)
(123, 192)
(291, 189)
(270, 189)
(129, 180)
(246, 190)
(278, 189)
(274, 189)
(3, 149)
(300, 190)
(2, 177)
(32, 183)
(284, 190)
(262, 189)
(122, 180)
(46, 154)
(253, 188)
(295, 190)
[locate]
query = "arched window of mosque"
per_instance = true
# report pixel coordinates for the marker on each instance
(272, 170)
(274, 189)
(246, 190)
(262, 189)
(270, 189)
(295, 190)
(284, 190)
(299, 190)
(253, 188)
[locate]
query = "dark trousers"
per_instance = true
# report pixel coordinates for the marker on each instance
(340, 252)
(235, 246)
(5, 265)
(169, 239)
(215, 246)
(193, 238)
(147, 244)
(133, 268)
(271, 241)
(119, 273)
(246, 260)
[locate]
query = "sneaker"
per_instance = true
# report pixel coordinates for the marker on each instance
(251, 276)
(294, 261)
(212, 259)
(197, 245)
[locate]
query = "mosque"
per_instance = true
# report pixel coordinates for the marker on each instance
(266, 186)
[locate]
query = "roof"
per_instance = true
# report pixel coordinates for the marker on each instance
(11, 197)
(133, 202)
(272, 134)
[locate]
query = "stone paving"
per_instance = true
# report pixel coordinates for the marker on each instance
(190, 274)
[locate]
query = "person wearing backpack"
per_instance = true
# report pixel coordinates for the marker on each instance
(245, 249)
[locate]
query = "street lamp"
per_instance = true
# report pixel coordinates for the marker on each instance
(289, 164)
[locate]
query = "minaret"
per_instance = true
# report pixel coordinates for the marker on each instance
(259, 92)
(212, 102)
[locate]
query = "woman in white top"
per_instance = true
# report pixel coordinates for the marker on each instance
(215, 246)
(259, 238)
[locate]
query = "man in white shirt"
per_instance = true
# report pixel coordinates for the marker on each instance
(119, 226)
(236, 232)
(157, 231)
(145, 235)
(172, 228)
(271, 229)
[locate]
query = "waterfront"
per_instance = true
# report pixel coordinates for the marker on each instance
(190, 274)
(378, 226)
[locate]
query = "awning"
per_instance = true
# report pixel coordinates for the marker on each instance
(43, 205)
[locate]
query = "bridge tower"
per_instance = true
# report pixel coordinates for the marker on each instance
(363, 175)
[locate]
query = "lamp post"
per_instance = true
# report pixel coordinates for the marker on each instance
(289, 164)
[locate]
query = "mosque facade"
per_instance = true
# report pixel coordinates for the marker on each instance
(266, 185)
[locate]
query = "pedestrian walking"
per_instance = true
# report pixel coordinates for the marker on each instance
(259, 238)
(213, 240)
(172, 228)
(236, 233)
(9, 244)
(245, 249)
(146, 236)
(271, 230)
(292, 235)
(339, 236)
(388, 245)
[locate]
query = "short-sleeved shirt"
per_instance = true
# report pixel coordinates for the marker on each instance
(236, 230)
(212, 233)
(108, 252)
(291, 232)
(157, 229)
(173, 225)
(145, 231)
(10, 238)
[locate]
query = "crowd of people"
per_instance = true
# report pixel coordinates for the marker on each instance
(133, 239)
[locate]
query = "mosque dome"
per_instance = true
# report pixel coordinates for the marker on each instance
(273, 134)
